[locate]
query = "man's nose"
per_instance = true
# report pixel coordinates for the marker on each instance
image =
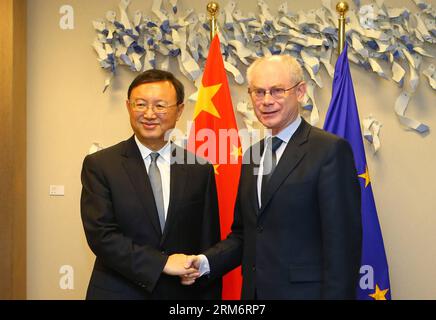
(268, 99)
(149, 113)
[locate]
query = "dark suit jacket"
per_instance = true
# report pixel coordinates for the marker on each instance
(122, 226)
(305, 240)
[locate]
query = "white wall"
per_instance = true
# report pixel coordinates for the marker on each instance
(67, 111)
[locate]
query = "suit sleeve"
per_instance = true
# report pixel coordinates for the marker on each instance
(227, 254)
(340, 208)
(142, 264)
(211, 221)
(210, 235)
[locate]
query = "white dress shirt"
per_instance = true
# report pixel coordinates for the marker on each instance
(163, 163)
(285, 135)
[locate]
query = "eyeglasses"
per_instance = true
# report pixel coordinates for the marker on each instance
(276, 93)
(161, 107)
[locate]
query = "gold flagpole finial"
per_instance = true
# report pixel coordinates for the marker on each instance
(213, 10)
(341, 8)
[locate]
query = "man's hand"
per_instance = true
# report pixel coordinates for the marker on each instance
(179, 265)
(191, 262)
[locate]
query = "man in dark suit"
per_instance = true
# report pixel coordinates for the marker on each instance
(144, 207)
(297, 223)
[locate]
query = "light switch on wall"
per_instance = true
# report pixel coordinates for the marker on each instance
(57, 190)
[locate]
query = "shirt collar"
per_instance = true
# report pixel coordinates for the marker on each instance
(164, 152)
(286, 134)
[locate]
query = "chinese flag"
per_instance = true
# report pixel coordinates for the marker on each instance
(214, 136)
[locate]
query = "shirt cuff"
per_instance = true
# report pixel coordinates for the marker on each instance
(204, 265)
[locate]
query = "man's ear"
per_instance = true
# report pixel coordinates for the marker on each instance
(180, 108)
(301, 91)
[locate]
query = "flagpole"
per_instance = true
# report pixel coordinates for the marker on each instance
(212, 9)
(341, 8)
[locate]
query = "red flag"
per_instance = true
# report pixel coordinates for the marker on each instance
(214, 136)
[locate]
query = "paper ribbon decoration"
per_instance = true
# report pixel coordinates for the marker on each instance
(96, 146)
(430, 73)
(311, 105)
(248, 116)
(400, 110)
(371, 131)
(377, 35)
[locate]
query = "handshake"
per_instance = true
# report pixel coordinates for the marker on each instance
(184, 266)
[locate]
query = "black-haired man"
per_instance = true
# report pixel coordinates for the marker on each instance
(140, 210)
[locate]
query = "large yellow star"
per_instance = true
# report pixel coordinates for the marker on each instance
(215, 169)
(365, 176)
(204, 100)
(379, 294)
(236, 152)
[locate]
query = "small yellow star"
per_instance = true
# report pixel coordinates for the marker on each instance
(379, 294)
(204, 100)
(365, 176)
(236, 152)
(215, 168)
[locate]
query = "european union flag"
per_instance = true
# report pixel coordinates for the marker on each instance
(343, 120)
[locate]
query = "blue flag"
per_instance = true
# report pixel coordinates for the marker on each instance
(343, 120)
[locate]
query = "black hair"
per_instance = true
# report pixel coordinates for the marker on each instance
(156, 75)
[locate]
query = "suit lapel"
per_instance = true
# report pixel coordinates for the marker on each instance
(290, 159)
(178, 173)
(135, 168)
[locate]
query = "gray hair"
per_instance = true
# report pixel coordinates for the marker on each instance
(289, 62)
